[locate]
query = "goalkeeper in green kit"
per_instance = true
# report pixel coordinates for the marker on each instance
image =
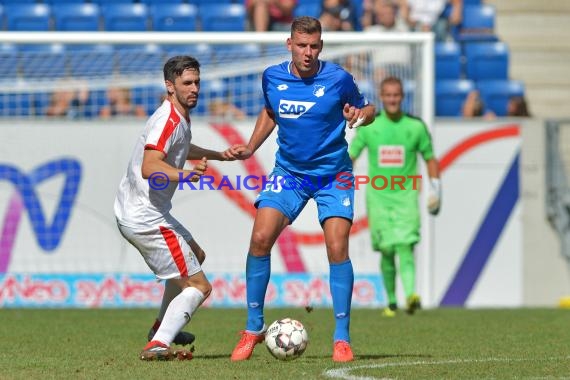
(394, 141)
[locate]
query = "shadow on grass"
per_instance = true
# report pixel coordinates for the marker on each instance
(390, 356)
(212, 357)
(373, 357)
(321, 357)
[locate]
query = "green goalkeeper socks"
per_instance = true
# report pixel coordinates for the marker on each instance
(407, 268)
(388, 268)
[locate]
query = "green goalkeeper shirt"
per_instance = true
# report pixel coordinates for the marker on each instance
(393, 148)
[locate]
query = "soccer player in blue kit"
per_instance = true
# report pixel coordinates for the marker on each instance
(311, 101)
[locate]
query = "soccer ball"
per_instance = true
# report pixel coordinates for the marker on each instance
(286, 339)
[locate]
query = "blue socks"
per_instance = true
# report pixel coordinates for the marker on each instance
(257, 272)
(341, 282)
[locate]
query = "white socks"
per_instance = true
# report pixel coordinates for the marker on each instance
(178, 314)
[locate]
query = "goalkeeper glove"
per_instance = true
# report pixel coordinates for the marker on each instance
(434, 197)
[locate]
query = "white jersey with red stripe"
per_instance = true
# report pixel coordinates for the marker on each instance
(138, 204)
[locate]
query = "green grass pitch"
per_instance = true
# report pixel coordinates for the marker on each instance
(433, 344)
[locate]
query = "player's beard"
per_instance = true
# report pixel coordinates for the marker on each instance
(187, 102)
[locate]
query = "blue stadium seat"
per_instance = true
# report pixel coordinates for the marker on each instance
(53, 2)
(19, 104)
(486, 60)
(43, 61)
(222, 17)
(206, 2)
(450, 95)
(448, 60)
(161, 2)
(479, 16)
(6, 2)
(245, 92)
(496, 94)
(410, 87)
(41, 102)
(235, 53)
(97, 60)
(307, 9)
(27, 17)
(478, 23)
(149, 97)
(97, 100)
(147, 59)
(174, 17)
(213, 88)
(204, 53)
(369, 89)
(8, 61)
(76, 17)
(210, 89)
(131, 17)
(1, 17)
(358, 6)
(111, 2)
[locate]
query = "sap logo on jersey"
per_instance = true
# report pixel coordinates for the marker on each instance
(291, 109)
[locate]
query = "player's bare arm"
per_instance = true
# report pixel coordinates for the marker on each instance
(357, 117)
(196, 152)
(263, 127)
(432, 168)
(153, 162)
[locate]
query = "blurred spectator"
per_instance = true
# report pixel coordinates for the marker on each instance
(270, 15)
(453, 16)
(68, 103)
(338, 16)
(437, 16)
(381, 16)
(517, 106)
(219, 108)
(473, 106)
(120, 104)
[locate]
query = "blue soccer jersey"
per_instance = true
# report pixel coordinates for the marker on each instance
(308, 112)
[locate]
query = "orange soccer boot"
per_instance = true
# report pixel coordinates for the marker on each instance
(246, 344)
(342, 351)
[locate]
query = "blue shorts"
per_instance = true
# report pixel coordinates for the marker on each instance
(289, 193)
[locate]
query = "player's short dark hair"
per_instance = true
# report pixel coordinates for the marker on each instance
(307, 25)
(175, 66)
(392, 80)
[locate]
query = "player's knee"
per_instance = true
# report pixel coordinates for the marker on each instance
(200, 282)
(337, 250)
(207, 290)
(261, 242)
(338, 256)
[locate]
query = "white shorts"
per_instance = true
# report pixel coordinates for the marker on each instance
(164, 247)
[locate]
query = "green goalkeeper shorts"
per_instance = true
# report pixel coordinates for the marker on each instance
(393, 224)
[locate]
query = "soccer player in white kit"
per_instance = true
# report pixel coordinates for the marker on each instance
(143, 203)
